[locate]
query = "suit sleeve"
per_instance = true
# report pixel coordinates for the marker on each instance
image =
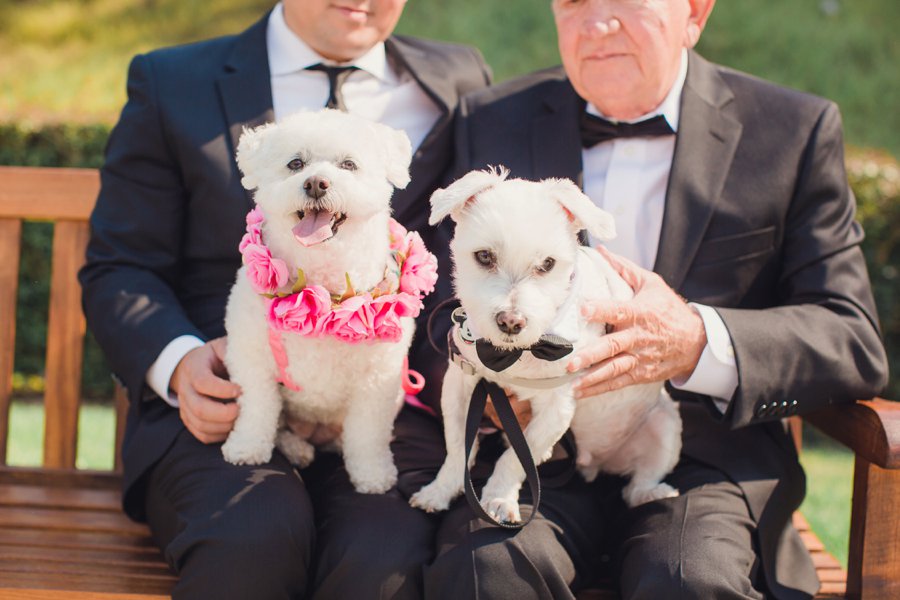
(136, 240)
(820, 344)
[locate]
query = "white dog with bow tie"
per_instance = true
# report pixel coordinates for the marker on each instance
(522, 277)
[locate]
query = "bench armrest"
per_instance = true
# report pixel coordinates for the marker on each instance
(871, 428)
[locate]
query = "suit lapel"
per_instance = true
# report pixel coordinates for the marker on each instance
(245, 88)
(555, 139)
(707, 137)
(434, 153)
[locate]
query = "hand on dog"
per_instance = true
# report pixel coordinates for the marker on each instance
(317, 434)
(656, 336)
(201, 383)
(521, 408)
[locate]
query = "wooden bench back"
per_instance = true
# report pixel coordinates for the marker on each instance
(66, 198)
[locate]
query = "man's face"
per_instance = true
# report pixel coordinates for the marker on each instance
(342, 30)
(623, 55)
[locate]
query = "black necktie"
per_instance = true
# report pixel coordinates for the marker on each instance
(336, 78)
(596, 129)
(549, 347)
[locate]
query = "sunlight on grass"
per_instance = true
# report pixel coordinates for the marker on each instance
(26, 434)
(829, 473)
(96, 437)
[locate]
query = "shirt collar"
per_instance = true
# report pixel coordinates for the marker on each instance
(289, 54)
(670, 107)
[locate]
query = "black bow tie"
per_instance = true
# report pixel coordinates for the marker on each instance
(596, 129)
(549, 347)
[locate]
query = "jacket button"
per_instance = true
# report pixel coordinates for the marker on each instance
(793, 406)
(761, 410)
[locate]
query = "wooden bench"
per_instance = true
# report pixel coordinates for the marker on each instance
(62, 531)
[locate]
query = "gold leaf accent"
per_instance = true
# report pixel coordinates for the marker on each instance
(349, 292)
(300, 283)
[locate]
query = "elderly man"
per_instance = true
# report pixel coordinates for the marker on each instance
(730, 192)
(162, 258)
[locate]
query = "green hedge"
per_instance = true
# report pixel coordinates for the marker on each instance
(874, 177)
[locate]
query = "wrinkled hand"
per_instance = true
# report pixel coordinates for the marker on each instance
(521, 408)
(656, 336)
(317, 434)
(200, 381)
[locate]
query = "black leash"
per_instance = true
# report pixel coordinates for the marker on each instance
(516, 437)
(429, 326)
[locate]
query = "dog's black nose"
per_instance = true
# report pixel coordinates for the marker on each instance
(316, 187)
(510, 321)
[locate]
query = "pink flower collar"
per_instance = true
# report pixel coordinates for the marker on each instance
(310, 310)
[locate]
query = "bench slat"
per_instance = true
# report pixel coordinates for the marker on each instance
(75, 540)
(108, 556)
(66, 520)
(110, 582)
(65, 345)
(44, 497)
(36, 562)
(60, 594)
(47, 193)
(10, 243)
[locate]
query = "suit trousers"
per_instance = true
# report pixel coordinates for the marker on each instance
(702, 544)
(247, 532)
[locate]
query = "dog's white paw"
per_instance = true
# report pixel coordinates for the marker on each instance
(239, 451)
(374, 481)
(297, 450)
(504, 510)
(432, 498)
(635, 496)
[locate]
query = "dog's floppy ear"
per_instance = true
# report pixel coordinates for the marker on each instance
(583, 213)
(249, 157)
(398, 155)
(450, 200)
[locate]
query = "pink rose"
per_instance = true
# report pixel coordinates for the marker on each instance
(386, 320)
(397, 235)
(419, 272)
(351, 321)
(301, 312)
(266, 274)
(253, 237)
(254, 229)
(255, 216)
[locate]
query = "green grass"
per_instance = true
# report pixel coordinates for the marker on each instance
(829, 466)
(66, 60)
(829, 473)
(96, 439)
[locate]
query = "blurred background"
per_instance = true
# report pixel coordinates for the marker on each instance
(62, 83)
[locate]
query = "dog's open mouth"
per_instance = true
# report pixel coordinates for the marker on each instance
(316, 226)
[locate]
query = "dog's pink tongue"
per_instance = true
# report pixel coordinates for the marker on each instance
(314, 228)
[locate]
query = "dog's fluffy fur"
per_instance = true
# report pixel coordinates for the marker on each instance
(635, 431)
(356, 385)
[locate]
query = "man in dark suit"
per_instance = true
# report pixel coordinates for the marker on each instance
(734, 194)
(162, 258)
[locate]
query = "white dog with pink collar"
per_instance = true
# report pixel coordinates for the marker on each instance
(320, 318)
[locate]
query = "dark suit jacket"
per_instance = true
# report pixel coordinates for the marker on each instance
(758, 223)
(164, 246)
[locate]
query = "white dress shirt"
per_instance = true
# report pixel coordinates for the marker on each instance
(628, 178)
(375, 92)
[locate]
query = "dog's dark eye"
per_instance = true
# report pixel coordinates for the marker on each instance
(547, 265)
(348, 165)
(295, 165)
(485, 258)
